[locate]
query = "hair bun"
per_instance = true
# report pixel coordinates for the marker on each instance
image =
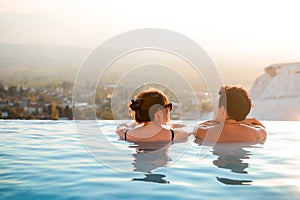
(134, 105)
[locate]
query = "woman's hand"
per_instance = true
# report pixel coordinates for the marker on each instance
(122, 128)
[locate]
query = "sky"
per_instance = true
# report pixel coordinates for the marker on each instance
(244, 36)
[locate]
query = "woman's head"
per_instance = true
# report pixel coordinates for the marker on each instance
(147, 103)
(236, 101)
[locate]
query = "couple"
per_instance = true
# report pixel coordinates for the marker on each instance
(151, 109)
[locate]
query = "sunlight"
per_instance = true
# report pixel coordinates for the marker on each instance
(229, 25)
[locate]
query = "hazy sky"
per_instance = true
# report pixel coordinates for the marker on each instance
(236, 34)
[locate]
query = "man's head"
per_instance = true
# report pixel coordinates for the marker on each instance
(236, 101)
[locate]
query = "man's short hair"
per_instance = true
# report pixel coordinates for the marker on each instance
(237, 102)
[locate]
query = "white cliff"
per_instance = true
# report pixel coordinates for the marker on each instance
(276, 93)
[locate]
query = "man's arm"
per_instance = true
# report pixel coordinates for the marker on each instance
(252, 122)
(260, 132)
(201, 130)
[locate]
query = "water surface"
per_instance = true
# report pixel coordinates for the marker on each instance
(47, 160)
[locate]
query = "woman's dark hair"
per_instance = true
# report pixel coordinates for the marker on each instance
(147, 103)
(237, 102)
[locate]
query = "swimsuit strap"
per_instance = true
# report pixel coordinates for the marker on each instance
(125, 135)
(172, 134)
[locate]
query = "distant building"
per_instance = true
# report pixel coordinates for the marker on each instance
(33, 108)
(4, 115)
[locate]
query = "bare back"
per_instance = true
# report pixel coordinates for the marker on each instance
(232, 131)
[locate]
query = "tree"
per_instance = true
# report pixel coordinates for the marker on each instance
(60, 111)
(2, 95)
(2, 89)
(54, 111)
(21, 90)
(68, 112)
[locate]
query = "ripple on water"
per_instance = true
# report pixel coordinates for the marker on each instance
(47, 160)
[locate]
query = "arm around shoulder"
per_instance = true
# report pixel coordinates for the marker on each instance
(200, 131)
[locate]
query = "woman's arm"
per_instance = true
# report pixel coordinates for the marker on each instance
(120, 132)
(122, 128)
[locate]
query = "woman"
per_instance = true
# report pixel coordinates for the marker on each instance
(151, 109)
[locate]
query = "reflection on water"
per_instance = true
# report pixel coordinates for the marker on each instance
(233, 157)
(228, 181)
(148, 157)
(156, 178)
(230, 156)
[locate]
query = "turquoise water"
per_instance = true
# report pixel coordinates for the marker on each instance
(48, 160)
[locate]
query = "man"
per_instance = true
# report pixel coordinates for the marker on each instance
(231, 124)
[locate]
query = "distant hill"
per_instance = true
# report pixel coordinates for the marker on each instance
(32, 62)
(276, 93)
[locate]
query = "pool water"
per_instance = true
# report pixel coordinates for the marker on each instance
(50, 160)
